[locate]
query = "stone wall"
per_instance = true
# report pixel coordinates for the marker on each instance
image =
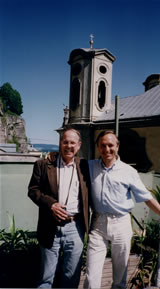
(12, 130)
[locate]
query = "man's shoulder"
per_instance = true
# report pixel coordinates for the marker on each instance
(94, 165)
(40, 164)
(82, 164)
(40, 161)
(81, 160)
(93, 162)
(126, 166)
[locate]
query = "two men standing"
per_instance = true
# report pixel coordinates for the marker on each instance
(60, 188)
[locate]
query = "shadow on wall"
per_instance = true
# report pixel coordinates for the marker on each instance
(133, 150)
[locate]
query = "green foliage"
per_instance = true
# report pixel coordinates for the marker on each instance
(20, 257)
(146, 244)
(84, 255)
(3, 119)
(152, 234)
(15, 141)
(11, 99)
(1, 103)
(15, 239)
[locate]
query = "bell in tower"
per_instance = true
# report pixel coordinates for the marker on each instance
(90, 84)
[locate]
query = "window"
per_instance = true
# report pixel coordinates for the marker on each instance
(102, 69)
(101, 94)
(76, 68)
(133, 150)
(75, 93)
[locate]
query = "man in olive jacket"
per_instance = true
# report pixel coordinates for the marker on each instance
(60, 186)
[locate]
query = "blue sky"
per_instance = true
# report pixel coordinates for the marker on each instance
(37, 36)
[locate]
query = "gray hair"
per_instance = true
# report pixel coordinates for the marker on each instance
(70, 129)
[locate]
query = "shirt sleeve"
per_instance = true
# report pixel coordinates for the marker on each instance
(140, 192)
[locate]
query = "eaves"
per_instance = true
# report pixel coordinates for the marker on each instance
(134, 122)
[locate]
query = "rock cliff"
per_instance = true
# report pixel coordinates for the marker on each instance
(12, 130)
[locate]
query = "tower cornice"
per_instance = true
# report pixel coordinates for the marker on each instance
(90, 53)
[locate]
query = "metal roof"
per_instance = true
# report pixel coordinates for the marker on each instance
(139, 106)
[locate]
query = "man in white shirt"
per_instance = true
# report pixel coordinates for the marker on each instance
(59, 187)
(112, 182)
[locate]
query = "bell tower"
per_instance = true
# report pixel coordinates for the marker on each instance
(90, 84)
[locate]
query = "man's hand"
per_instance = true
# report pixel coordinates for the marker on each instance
(50, 156)
(59, 212)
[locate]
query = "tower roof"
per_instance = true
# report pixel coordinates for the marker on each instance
(90, 53)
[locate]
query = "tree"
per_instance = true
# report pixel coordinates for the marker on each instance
(11, 99)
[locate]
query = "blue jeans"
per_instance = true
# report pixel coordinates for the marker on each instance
(68, 242)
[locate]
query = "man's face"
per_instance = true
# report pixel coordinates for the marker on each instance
(108, 149)
(70, 144)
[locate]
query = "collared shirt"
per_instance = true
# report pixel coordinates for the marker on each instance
(68, 186)
(112, 188)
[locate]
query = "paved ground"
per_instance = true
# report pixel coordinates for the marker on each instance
(107, 272)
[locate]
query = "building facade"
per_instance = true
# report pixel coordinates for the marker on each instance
(92, 109)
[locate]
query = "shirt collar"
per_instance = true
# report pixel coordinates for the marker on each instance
(112, 166)
(63, 164)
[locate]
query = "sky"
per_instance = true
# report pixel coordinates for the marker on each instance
(37, 37)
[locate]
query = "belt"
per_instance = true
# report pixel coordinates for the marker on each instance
(108, 215)
(69, 219)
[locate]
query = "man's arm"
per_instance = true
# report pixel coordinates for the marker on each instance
(153, 205)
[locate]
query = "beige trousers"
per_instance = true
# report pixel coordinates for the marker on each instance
(118, 231)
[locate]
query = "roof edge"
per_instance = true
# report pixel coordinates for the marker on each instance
(90, 53)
